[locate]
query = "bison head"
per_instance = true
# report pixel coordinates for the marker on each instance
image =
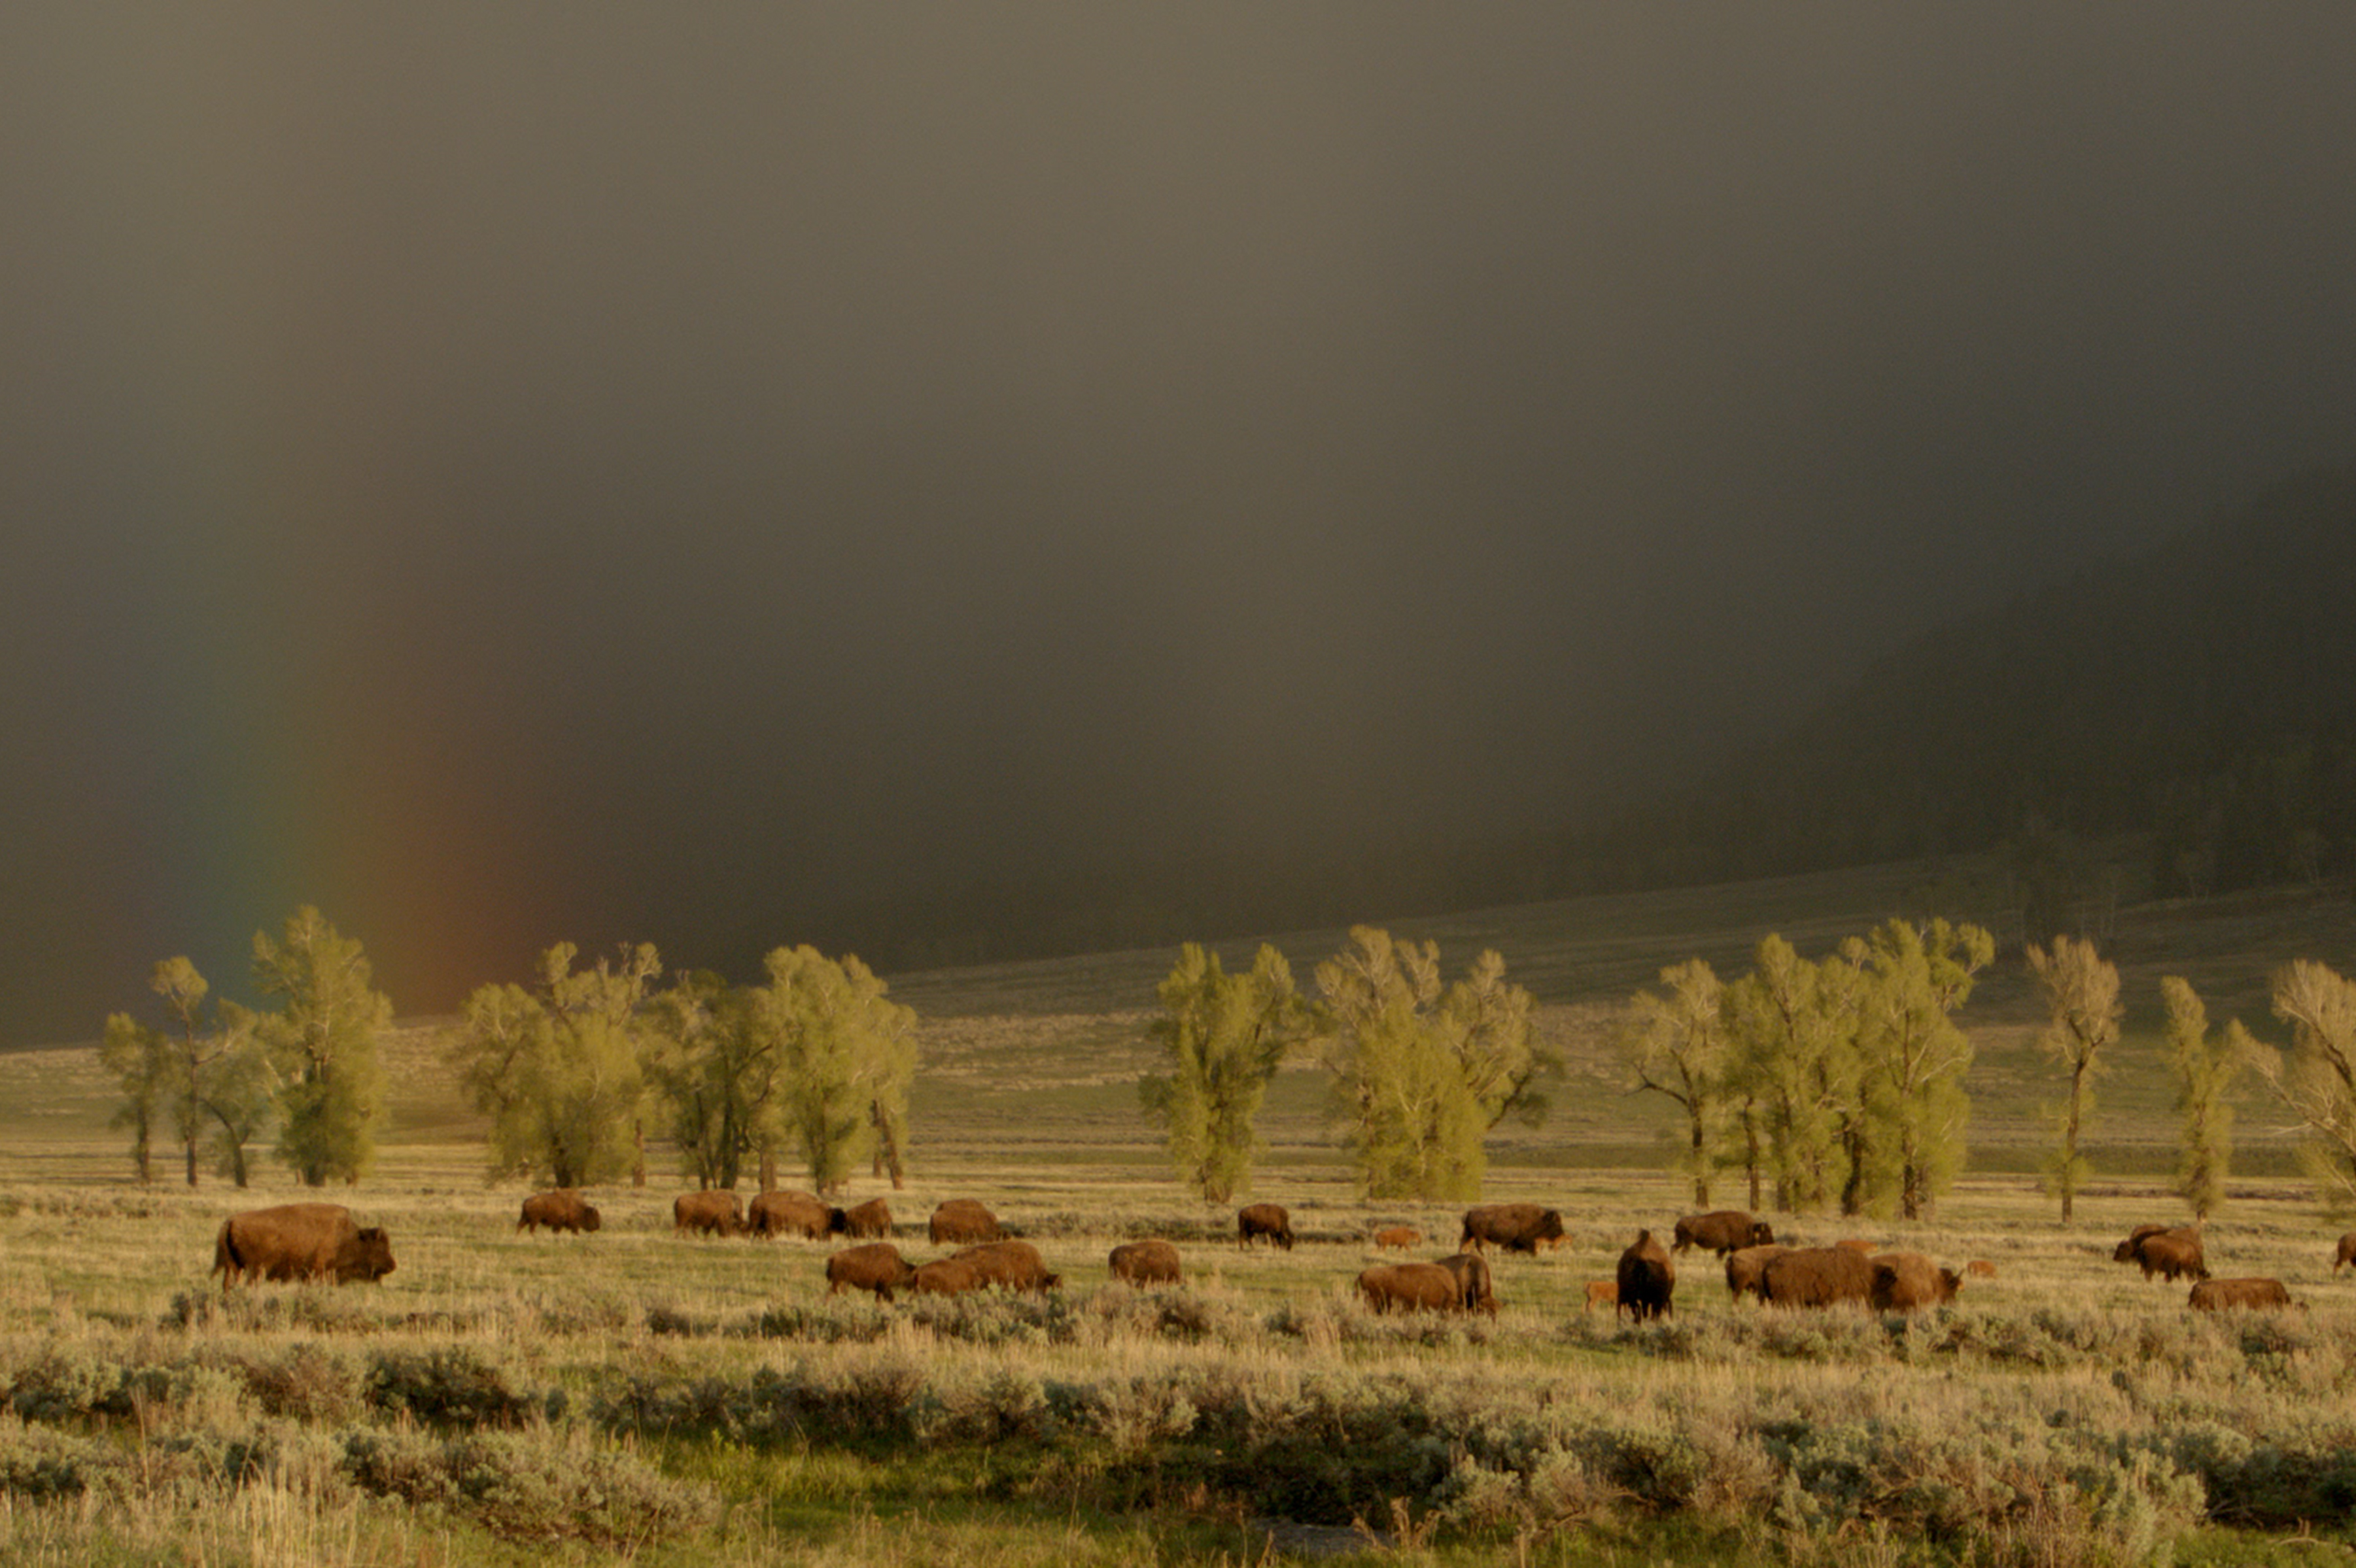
(366, 1256)
(589, 1221)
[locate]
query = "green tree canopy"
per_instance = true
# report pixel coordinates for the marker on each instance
(2204, 1067)
(1225, 1036)
(846, 1055)
(2082, 1018)
(322, 1043)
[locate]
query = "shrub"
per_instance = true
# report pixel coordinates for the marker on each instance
(449, 1385)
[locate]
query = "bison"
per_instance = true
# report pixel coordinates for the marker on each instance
(1399, 1238)
(1817, 1276)
(1746, 1271)
(2347, 1254)
(801, 1214)
(562, 1210)
(1602, 1293)
(2217, 1295)
(1517, 1227)
(707, 1213)
(1146, 1263)
(869, 1220)
(1980, 1268)
(946, 1276)
(1269, 1220)
(872, 1266)
(1722, 1231)
(1012, 1265)
(301, 1241)
(2175, 1254)
(963, 1221)
(1411, 1288)
(1473, 1279)
(1905, 1282)
(2125, 1252)
(1647, 1278)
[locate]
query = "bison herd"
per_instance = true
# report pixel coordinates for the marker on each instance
(322, 1242)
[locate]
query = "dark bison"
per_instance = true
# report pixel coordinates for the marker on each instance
(868, 1220)
(2127, 1251)
(1146, 1263)
(1411, 1288)
(963, 1221)
(1746, 1271)
(2347, 1254)
(301, 1241)
(1011, 1265)
(803, 1214)
(1906, 1282)
(1473, 1279)
(872, 1266)
(562, 1210)
(2175, 1254)
(1269, 1220)
(709, 1213)
(1817, 1276)
(1517, 1227)
(946, 1276)
(1647, 1278)
(2217, 1295)
(1399, 1238)
(1723, 1231)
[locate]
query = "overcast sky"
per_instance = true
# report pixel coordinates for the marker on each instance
(508, 473)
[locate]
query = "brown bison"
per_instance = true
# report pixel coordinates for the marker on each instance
(1602, 1293)
(707, 1213)
(1517, 1227)
(946, 1276)
(1746, 1271)
(2125, 1252)
(2347, 1254)
(872, 1266)
(963, 1221)
(562, 1210)
(1010, 1266)
(1907, 1282)
(1399, 1238)
(1980, 1268)
(1269, 1220)
(1472, 1277)
(1817, 1276)
(301, 1241)
(1146, 1263)
(2217, 1295)
(1647, 1278)
(2175, 1254)
(1863, 1249)
(1411, 1288)
(803, 1214)
(868, 1220)
(1722, 1231)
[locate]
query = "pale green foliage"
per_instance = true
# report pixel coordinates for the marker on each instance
(846, 1055)
(2205, 1069)
(1794, 1059)
(1423, 1073)
(323, 1044)
(1224, 1035)
(140, 1059)
(2318, 1083)
(1914, 1055)
(2082, 1018)
(559, 1070)
(1679, 1045)
(718, 1074)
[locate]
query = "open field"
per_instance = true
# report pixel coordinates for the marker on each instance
(636, 1396)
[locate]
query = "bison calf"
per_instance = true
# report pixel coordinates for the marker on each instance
(1399, 1238)
(1602, 1293)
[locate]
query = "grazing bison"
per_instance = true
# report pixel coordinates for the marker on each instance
(1146, 1263)
(2127, 1251)
(1602, 1293)
(1269, 1220)
(869, 1220)
(1980, 1268)
(2175, 1254)
(1399, 1238)
(2347, 1254)
(2217, 1295)
(301, 1241)
(801, 1214)
(946, 1276)
(1647, 1278)
(1746, 1271)
(1473, 1279)
(872, 1266)
(1517, 1227)
(1907, 1282)
(963, 1221)
(1723, 1231)
(709, 1213)
(562, 1210)
(1817, 1276)
(1011, 1265)
(1411, 1288)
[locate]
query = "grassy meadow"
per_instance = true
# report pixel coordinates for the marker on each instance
(632, 1396)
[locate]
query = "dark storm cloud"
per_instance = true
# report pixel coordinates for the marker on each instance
(507, 475)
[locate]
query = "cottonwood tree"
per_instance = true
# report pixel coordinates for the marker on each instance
(718, 1074)
(2317, 1081)
(2082, 1016)
(1679, 1045)
(560, 1069)
(139, 1058)
(322, 1043)
(1794, 1054)
(2204, 1068)
(1225, 1037)
(846, 1055)
(1914, 1055)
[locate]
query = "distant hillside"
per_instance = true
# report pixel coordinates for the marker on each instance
(2200, 696)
